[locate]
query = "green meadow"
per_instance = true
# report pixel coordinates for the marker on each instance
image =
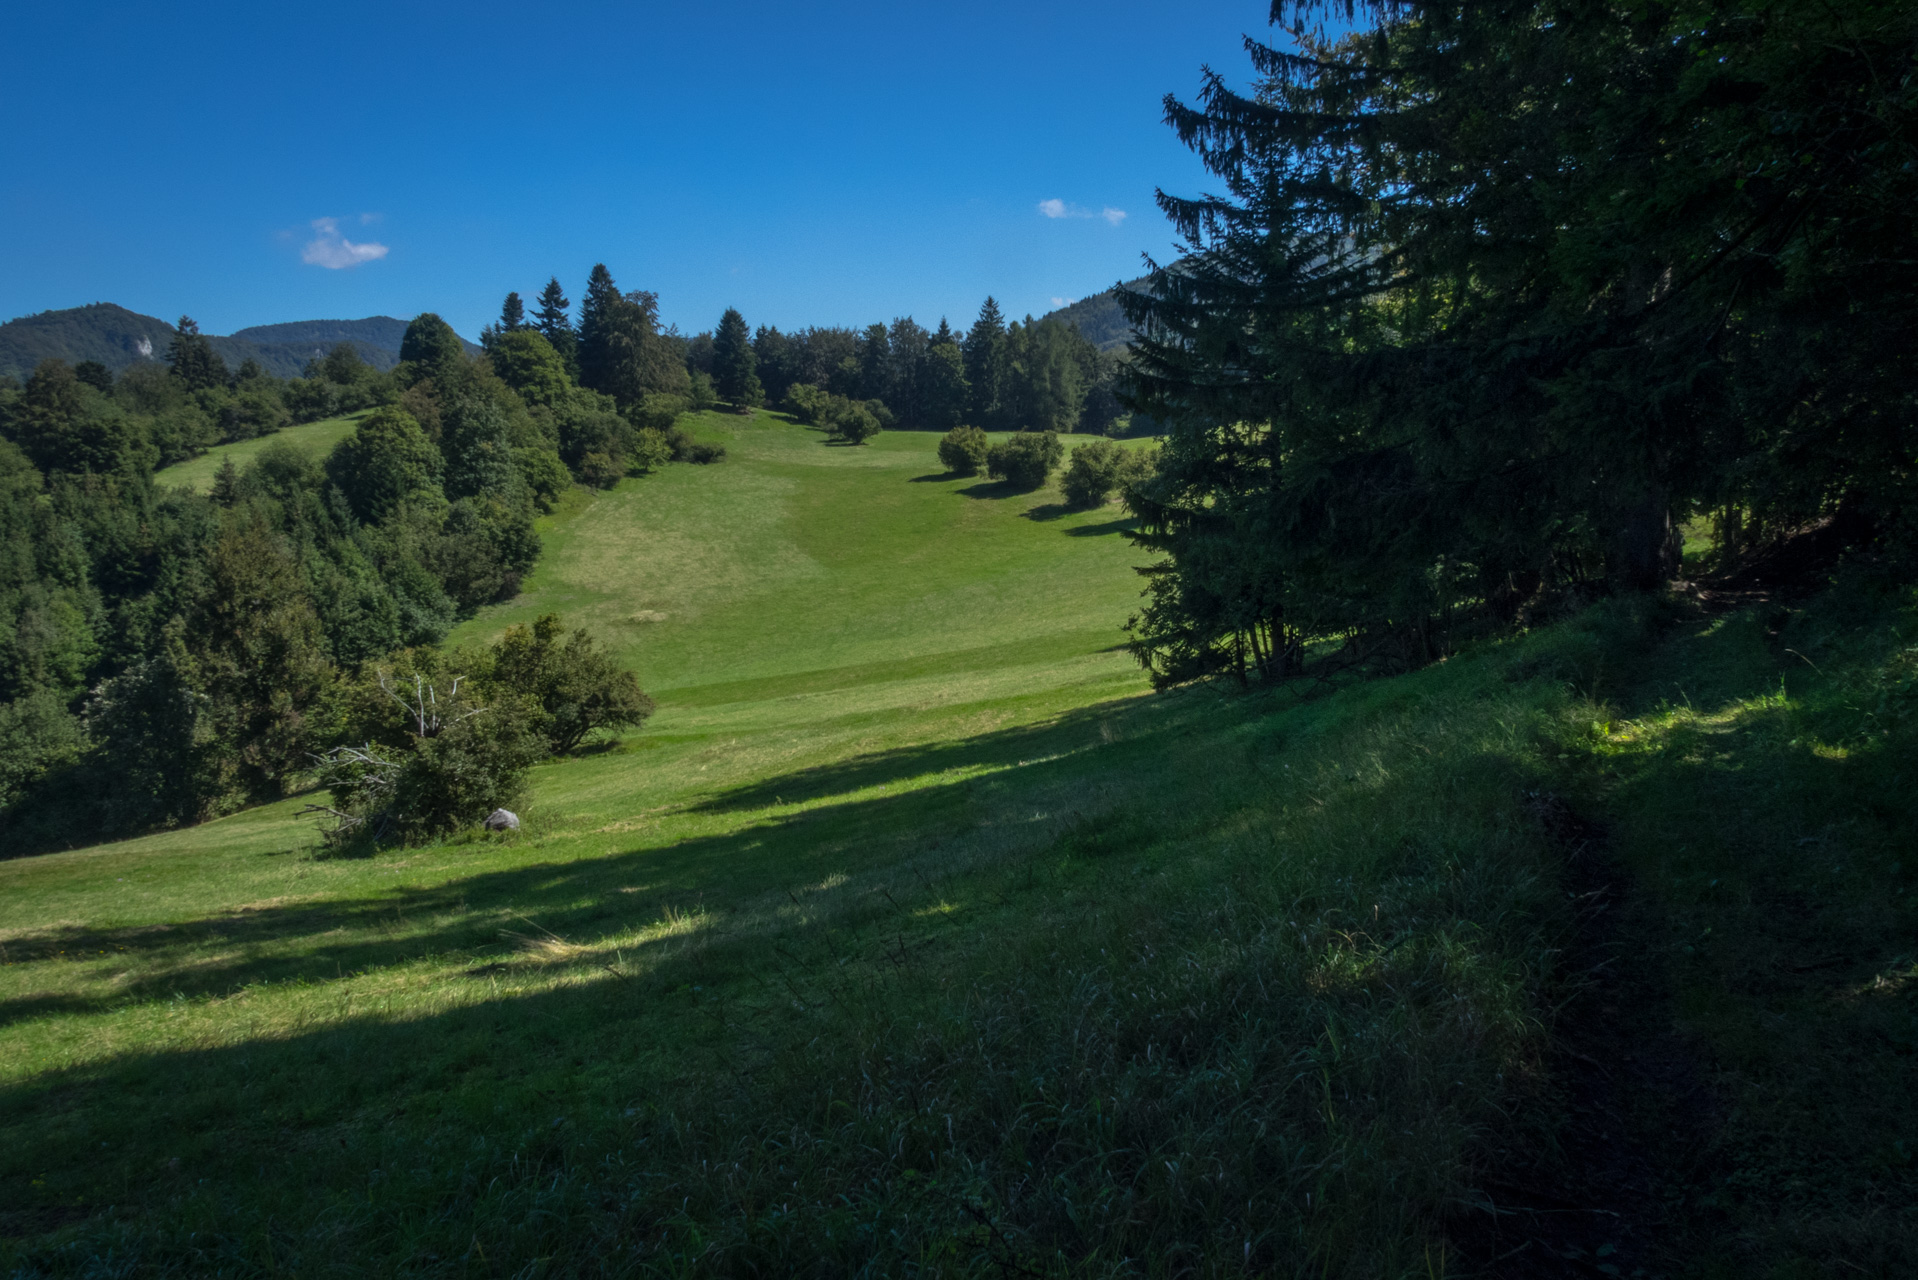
(913, 935)
(315, 438)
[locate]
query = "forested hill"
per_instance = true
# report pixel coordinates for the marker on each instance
(1098, 319)
(119, 338)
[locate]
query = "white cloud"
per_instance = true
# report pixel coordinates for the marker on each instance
(334, 251)
(1063, 302)
(1060, 209)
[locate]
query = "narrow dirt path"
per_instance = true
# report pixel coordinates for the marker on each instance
(1606, 1176)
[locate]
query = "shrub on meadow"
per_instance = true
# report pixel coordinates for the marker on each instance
(1098, 468)
(1025, 460)
(963, 451)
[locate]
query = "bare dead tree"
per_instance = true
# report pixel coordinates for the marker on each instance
(424, 710)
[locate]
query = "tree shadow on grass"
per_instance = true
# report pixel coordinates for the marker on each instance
(599, 896)
(1050, 740)
(1124, 524)
(304, 1110)
(993, 489)
(1049, 511)
(934, 477)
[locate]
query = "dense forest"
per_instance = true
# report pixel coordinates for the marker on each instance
(1497, 298)
(166, 656)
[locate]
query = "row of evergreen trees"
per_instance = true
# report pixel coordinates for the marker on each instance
(1499, 295)
(1030, 375)
(1038, 375)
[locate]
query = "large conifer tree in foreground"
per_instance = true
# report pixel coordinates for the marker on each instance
(1496, 294)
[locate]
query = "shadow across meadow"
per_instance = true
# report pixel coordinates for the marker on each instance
(273, 1129)
(580, 900)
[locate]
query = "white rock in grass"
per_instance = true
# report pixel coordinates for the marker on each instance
(502, 820)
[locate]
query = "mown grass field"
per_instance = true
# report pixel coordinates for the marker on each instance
(913, 936)
(316, 438)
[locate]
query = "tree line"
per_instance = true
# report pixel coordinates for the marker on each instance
(1497, 297)
(166, 656)
(1032, 375)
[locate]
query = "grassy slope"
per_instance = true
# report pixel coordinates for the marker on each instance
(317, 438)
(907, 915)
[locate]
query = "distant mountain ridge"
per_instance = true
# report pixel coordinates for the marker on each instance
(119, 338)
(1099, 319)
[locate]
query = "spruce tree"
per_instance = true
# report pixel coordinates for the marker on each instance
(598, 326)
(735, 366)
(985, 352)
(555, 323)
(512, 316)
(194, 361)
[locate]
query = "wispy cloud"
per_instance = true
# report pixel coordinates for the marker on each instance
(329, 249)
(1060, 209)
(1063, 302)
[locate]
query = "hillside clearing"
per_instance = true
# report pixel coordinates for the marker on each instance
(910, 936)
(313, 438)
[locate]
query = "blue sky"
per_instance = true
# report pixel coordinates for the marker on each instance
(809, 164)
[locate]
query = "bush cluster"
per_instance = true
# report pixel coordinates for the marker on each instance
(445, 737)
(846, 420)
(963, 451)
(1026, 459)
(1099, 467)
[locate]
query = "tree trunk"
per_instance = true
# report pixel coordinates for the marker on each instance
(1647, 547)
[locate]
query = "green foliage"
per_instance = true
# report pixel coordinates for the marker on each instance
(484, 548)
(621, 352)
(844, 420)
(555, 324)
(38, 735)
(1048, 368)
(158, 751)
(193, 360)
(102, 333)
(385, 462)
(703, 395)
(735, 367)
(512, 314)
(1025, 460)
(252, 412)
(963, 450)
(577, 688)
(1099, 467)
(1492, 346)
(856, 424)
(656, 411)
(255, 649)
(527, 362)
(438, 759)
(943, 391)
(1099, 318)
(430, 349)
(545, 476)
(476, 439)
(95, 375)
(595, 441)
(63, 425)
